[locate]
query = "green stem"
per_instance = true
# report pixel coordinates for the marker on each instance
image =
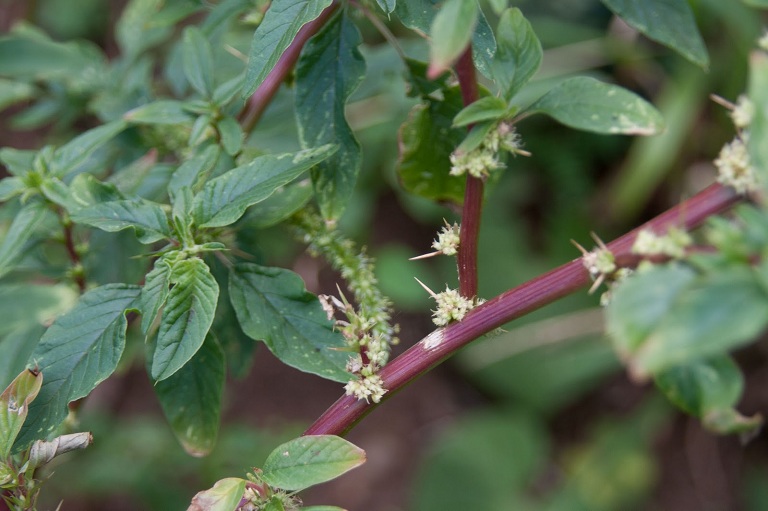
(517, 302)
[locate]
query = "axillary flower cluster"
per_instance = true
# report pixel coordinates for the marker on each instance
(601, 262)
(451, 305)
(733, 165)
(479, 161)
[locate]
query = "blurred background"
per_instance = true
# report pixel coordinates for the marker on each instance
(540, 416)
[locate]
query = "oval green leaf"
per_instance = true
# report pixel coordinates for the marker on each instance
(223, 200)
(484, 109)
(191, 399)
(669, 22)
(224, 496)
(24, 226)
(164, 111)
(186, 318)
(77, 352)
(273, 306)
(718, 313)
(641, 302)
(587, 104)
(197, 58)
(147, 218)
(330, 62)
(426, 140)
(708, 389)
(281, 23)
(310, 460)
(450, 34)
(518, 53)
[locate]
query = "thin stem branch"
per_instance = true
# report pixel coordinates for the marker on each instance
(473, 193)
(74, 255)
(517, 302)
(260, 99)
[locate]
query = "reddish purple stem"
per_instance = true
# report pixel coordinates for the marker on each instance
(517, 302)
(473, 193)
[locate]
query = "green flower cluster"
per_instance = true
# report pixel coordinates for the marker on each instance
(485, 157)
(367, 330)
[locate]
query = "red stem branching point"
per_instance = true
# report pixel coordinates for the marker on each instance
(517, 302)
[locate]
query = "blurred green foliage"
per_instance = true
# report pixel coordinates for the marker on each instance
(505, 456)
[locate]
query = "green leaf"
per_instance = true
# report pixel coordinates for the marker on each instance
(231, 134)
(281, 23)
(186, 318)
(708, 389)
(322, 508)
(718, 313)
(286, 201)
(273, 306)
(476, 136)
(330, 62)
(148, 218)
(484, 109)
(86, 190)
(310, 460)
(638, 304)
(17, 346)
(228, 91)
(587, 104)
(27, 303)
(224, 496)
(12, 92)
(387, 5)
(193, 170)
(135, 30)
(758, 128)
(191, 399)
(79, 351)
(224, 199)
(164, 111)
(25, 225)
(450, 34)
(518, 53)
(483, 46)
(669, 22)
(28, 53)
(74, 153)
(197, 57)
(154, 293)
(57, 192)
(757, 3)
(11, 187)
(14, 406)
(17, 161)
(418, 15)
(427, 139)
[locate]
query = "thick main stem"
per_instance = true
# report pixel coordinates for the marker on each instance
(473, 193)
(517, 302)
